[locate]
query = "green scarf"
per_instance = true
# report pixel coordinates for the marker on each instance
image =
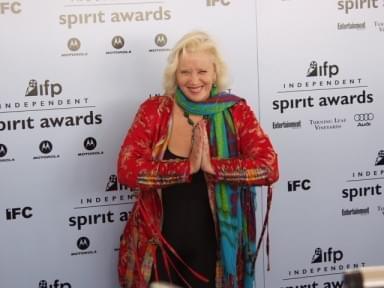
(235, 205)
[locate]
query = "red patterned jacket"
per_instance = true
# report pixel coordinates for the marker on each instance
(140, 165)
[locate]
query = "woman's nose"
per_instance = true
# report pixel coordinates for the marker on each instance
(194, 77)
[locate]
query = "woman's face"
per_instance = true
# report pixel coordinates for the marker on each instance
(195, 75)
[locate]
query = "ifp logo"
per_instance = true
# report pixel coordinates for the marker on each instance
(46, 89)
(380, 158)
(114, 185)
(329, 255)
(55, 284)
(316, 70)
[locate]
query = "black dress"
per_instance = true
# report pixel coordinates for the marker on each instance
(188, 227)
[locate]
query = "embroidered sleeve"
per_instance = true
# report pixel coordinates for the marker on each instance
(257, 163)
(137, 167)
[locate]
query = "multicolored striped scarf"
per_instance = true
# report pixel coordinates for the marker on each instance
(235, 205)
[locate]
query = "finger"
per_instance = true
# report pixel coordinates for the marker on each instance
(198, 133)
(205, 135)
(202, 123)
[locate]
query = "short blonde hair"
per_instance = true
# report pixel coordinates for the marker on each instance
(196, 41)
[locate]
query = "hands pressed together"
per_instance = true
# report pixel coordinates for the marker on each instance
(199, 156)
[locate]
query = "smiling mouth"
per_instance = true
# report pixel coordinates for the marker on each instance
(195, 89)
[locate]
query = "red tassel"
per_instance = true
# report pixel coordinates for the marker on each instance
(265, 227)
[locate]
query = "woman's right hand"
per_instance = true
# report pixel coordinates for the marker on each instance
(195, 156)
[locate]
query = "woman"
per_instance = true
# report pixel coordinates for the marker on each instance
(195, 155)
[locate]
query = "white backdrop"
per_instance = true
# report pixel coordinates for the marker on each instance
(73, 73)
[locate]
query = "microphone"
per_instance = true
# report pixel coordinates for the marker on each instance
(366, 277)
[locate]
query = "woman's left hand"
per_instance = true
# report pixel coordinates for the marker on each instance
(206, 164)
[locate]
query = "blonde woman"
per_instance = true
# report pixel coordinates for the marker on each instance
(195, 154)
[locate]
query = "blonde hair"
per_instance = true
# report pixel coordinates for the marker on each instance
(196, 41)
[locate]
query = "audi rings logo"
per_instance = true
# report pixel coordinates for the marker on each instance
(364, 117)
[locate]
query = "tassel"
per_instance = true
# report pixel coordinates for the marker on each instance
(265, 226)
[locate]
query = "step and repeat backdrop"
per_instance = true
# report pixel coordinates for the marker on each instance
(73, 73)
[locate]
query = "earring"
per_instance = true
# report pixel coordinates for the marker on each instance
(213, 90)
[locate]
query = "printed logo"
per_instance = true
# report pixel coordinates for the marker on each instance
(46, 89)
(32, 88)
(380, 209)
(83, 243)
(348, 5)
(43, 284)
(379, 26)
(118, 42)
(286, 124)
(13, 7)
(90, 143)
(321, 262)
(327, 256)
(220, 2)
(13, 213)
(161, 40)
(355, 211)
(73, 44)
(39, 95)
(112, 183)
(3, 150)
(380, 158)
(363, 119)
(363, 176)
(295, 185)
(92, 219)
(362, 191)
(55, 284)
(351, 26)
(315, 70)
(45, 147)
(328, 124)
(120, 197)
